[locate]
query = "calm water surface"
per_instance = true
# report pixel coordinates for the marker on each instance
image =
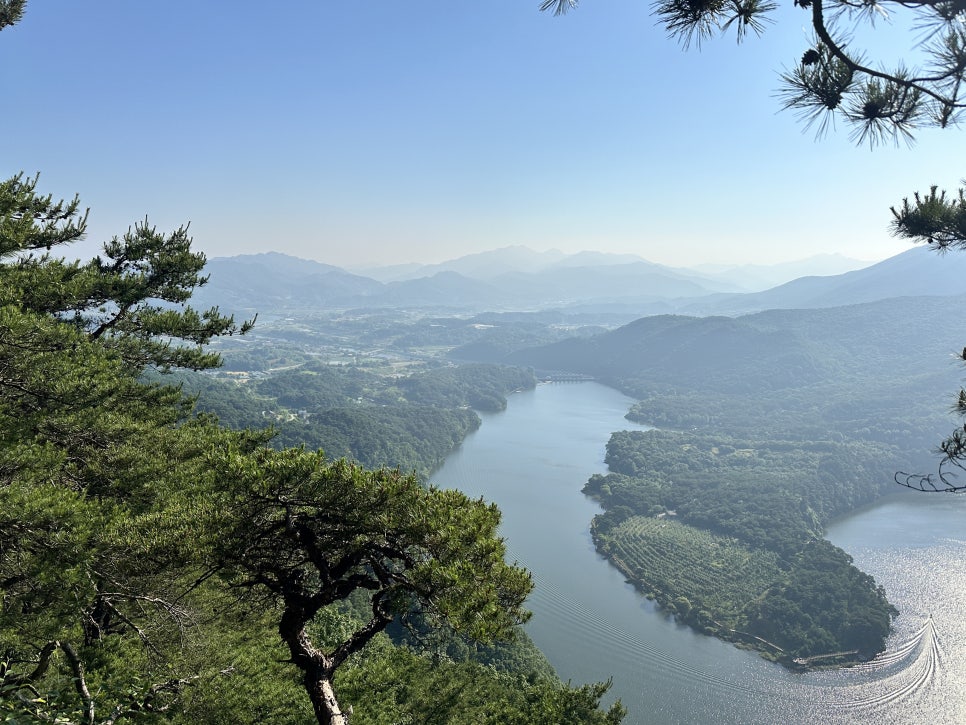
(533, 459)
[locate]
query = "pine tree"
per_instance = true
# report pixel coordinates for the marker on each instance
(832, 76)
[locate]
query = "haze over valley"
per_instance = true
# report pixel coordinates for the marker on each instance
(482, 364)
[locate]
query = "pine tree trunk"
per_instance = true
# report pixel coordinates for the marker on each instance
(324, 702)
(317, 668)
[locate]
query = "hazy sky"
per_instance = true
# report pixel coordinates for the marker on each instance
(359, 133)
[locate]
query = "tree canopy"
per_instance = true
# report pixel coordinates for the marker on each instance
(133, 298)
(11, 11)
(93, 544)
(312, 533)
(938, 221)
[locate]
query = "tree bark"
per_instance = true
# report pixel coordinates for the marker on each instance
(324, 702)
(317, 668)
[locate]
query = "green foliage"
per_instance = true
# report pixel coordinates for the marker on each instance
(409, 422)
(317, 386)
(941, 223)
(736, 533)
(714, 353)
(833, 76)
(29, 222)
(694, 21)
(769, 493)
(688, 569)
(412, 438)
(300, 524)
(823, 605)
(934, 219)
(402, 687)
(11, 11)
(481, 387)
(311, 533)
(814, 604)
(861, 372)
(233, 404)
(114, 298)
(424, 416)
(517, 654)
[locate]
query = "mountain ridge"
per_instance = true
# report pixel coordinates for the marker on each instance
(608, 284)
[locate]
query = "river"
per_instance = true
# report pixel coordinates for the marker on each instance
(533, 459)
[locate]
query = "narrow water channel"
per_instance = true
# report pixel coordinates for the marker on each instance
(533, 459)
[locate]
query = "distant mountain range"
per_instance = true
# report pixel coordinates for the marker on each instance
(914, 273)
(519, 259)
(516, 278)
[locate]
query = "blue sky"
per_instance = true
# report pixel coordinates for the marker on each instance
(379, 133)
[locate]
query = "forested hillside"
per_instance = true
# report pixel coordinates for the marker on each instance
(771, 425)
(406, 420)
(872, 371)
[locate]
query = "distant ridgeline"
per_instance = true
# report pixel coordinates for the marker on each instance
(772, 424)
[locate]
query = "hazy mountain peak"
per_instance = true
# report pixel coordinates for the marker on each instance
(757, 277)
(590, 258)
(279, 262)
(492, 263)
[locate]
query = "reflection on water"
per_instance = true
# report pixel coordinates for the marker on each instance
(896, 674)
(533, 459)
(914, 545)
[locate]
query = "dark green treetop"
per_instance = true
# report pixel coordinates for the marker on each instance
(939, 221)
(311, 532)
(11, 11)
(132, 298)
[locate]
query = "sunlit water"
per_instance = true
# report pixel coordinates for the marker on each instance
(534, 458)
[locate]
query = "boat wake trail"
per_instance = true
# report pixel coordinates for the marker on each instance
(897, 675)
(900, 673)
